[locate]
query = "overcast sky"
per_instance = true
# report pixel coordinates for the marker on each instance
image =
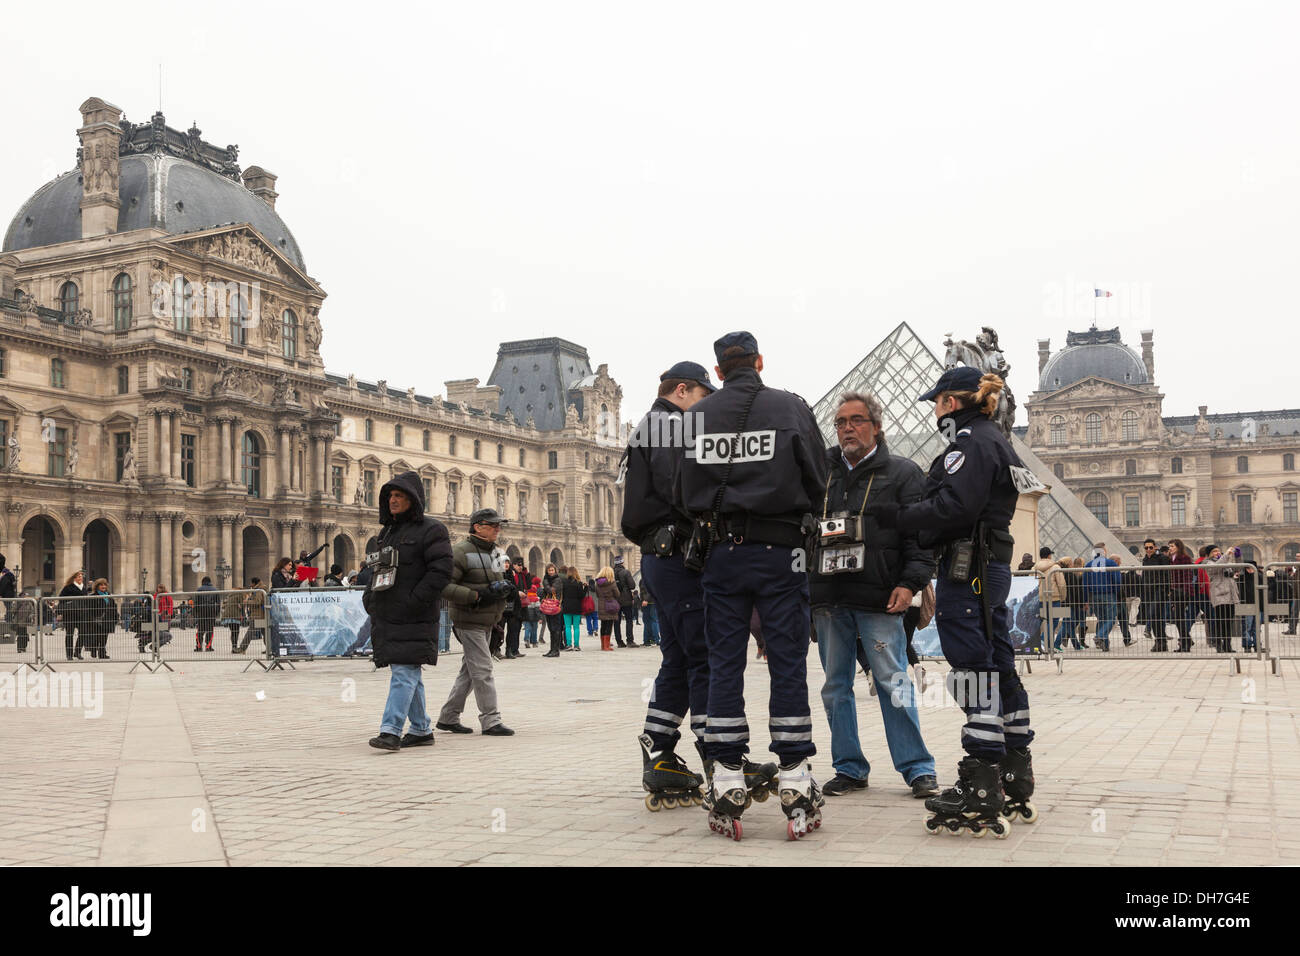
(641, 179)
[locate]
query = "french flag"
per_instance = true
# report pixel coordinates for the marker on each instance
(1101, 293)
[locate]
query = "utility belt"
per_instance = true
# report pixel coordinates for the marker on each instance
(784, 531)
(969, 556)
(666, 540)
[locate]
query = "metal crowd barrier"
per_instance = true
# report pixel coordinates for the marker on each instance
(1282, 610)
(1144, 613)
(178, 626)
(97, 627)
(205, 625)
(20, 638)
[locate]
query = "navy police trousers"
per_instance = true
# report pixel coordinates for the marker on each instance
(739, 578)
(983, 679)
(683, 680)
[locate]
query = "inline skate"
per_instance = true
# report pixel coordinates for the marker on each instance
(1018, 785)
(728, 798)
(666, 779)
(974, 803)
(801, 799)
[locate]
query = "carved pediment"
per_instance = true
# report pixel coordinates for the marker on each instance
(1093, 388)
(60, 413)
(244, 247)
(9, 406)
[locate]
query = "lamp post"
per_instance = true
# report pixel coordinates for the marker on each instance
(223, 570)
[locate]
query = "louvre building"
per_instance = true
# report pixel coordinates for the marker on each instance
(165, 413)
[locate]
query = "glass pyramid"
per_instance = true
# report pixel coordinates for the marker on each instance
(897, 371)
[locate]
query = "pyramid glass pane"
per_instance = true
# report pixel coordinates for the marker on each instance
(897, 371)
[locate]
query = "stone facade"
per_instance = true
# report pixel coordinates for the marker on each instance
(166, 413)
(1226, 479)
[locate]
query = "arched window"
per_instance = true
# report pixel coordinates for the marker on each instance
(250, 465)
(289, 334)
(182, 308)
(1092, 429)
(1243, 464)
(238, 320)
(1059, 471)
(1130, 466)
(1096, 503)
(1291, 551)
(1056, 430)
(122, 302)
(1128, 424)
(69, 299)
(1176, 466)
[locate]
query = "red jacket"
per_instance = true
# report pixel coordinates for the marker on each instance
(166, 607)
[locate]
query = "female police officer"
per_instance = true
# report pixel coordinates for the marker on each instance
(966, 514)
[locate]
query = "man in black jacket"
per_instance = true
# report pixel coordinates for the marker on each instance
(863, 582)
(628, 599)
(404, 615)
(207, 606)
(1153, 590)
(519, 580)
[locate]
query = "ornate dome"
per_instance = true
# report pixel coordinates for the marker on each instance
(1092, 354)
(157, 188)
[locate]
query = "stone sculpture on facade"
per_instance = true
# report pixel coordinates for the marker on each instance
(985, 355)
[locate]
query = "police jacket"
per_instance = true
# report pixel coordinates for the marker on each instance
(970, 481)
(893, 558)
(779, 461)
(650, 470)
(404, 618)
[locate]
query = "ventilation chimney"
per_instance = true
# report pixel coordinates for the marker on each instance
(261, 183)
(100, 137)
(1044, 353)
(1148, 356)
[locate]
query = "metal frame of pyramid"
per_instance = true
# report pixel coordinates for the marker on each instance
(898, 370)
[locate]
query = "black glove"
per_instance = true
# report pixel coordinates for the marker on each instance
(499, 590)
(885, 514)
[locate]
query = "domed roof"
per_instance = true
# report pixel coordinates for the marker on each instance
(158, 190)
(1092, 354)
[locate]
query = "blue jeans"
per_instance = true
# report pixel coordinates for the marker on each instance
(650, 616)
(405, 700)
(530, 632)
(1106, 613)
(1248, 633)
(883, 638)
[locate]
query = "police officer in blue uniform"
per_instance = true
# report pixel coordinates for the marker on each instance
(653, 522)
(965, 514)
(750, 481)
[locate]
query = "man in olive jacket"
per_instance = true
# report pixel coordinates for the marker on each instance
(404, 617)
(477, 594)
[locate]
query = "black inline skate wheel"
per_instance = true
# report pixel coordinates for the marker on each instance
(978, 830)
(1001, 828)
(652, 802)
(933, 825)
(1029, 813)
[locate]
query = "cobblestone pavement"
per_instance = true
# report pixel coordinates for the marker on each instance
(1137, 762)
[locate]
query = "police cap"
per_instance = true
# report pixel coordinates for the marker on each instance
(486, 516)
(963, 378)
(743, 339)
(693, 371)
